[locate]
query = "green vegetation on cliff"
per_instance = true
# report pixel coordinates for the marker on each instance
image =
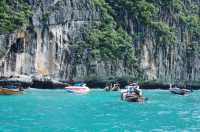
(161, 16)
(13, 15)
(107, 39)
(111, 41)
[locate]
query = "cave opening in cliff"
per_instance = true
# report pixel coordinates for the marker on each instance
(18, 47)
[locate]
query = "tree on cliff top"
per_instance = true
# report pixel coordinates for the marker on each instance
(13, 15)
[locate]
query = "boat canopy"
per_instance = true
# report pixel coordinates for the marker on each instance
(9, 87)
(79, 84)
(9, 82)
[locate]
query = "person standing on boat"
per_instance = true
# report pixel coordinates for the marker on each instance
(137, 90)
(108, 87)
(21, 88)
(116, 86)
(130, 88)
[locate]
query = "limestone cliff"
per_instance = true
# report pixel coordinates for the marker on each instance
(46, 48)
(160, 61)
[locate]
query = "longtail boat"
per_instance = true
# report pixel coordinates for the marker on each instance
(175, 90)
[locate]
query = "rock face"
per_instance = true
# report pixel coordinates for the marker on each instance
(164, 62)
(45, 48)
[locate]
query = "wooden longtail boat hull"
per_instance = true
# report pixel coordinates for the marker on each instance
(135, 98)
(8, 91)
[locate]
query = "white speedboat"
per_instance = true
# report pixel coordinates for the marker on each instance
(77, 89)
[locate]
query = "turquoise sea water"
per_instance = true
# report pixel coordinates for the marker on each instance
(98, 111)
